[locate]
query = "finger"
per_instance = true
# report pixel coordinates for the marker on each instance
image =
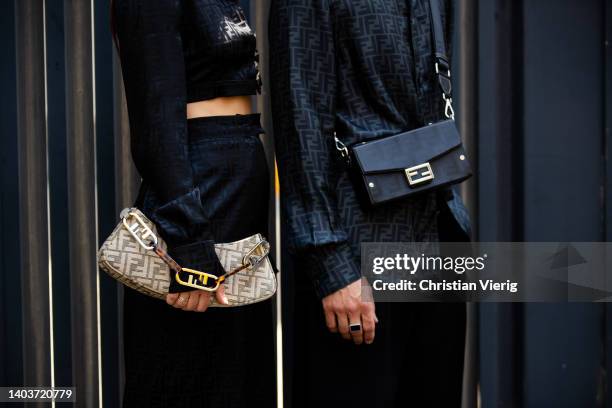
(369, 329)
(194, 298)
(220, 296)
(171, 298)
(330, 321)
(182, 300)
(369, 320)
(355, 328)
(204, 302)
(343, 325)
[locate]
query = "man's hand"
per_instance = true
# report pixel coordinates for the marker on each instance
(195, 300)
(345, 307)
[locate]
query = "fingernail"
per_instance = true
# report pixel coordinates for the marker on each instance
(225, 301)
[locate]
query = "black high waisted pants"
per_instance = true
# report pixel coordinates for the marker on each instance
(223, 357)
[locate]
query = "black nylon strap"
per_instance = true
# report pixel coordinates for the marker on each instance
(438, 30)
(443, 65)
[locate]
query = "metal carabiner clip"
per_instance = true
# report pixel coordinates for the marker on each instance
(449, 112)
(256, 254)
(140, 231)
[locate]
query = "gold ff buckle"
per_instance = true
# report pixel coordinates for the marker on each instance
(199, 280)
(419, 174)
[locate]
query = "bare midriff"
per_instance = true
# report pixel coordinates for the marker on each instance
(220, 106)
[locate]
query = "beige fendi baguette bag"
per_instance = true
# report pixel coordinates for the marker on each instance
(136, 256)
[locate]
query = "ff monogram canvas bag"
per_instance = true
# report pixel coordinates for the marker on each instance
(136, 256)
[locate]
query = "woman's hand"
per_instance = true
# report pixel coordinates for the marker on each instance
(195, 300)
(347, 307)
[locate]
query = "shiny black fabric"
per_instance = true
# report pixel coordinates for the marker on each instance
(223, 357)
(173, 52)
(365, 69)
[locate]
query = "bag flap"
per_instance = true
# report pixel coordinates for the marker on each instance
(407, 149)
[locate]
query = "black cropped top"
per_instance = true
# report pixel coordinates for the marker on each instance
(174, 52)
(220, 50)
(219, 47)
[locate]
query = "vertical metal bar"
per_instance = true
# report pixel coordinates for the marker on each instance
(33, 193)
(468, 119)
(607, 143)
(11, 372)
(81, 168)
(468, 115)
(58, 197)
(260, 13)
(127, 182)
(500, 47)
(107, 212)
(607, 190)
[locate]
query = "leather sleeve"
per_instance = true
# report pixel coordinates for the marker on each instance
(151, 51)
(303, 85)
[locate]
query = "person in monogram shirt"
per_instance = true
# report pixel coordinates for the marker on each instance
(362, 69)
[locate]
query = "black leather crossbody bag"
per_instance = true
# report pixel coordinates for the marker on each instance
(420, 160)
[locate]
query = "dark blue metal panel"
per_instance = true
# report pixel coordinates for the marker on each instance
(563, 155)
(11, 371)
(563, 356)
(540, 175)
(564, 120)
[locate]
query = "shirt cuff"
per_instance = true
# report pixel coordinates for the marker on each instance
(185, 228)
(182, 221)
(200, 256)
(332, 267)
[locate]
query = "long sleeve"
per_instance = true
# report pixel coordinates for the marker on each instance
(303, 69)
(151, 51)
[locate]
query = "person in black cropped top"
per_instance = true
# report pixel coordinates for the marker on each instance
(174, 53)
(188, 67)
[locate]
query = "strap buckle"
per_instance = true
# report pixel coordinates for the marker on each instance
(140, 230)
(199, 280)
(446, 67)
(256, 254)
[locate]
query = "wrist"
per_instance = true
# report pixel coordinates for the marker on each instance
(332, 267)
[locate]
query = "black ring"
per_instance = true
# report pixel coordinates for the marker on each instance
(355, 327)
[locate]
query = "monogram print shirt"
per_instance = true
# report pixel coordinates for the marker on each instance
(362, 69)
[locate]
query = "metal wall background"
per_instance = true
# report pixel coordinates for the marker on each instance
(66, 173)
(533, 85)
(543, 175)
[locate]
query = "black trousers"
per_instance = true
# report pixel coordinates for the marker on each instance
(416, 359)
(223, 358)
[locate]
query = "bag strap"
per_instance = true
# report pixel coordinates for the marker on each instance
(442, 65)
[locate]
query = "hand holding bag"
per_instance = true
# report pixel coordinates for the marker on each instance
(136, 256)
(424, 159)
